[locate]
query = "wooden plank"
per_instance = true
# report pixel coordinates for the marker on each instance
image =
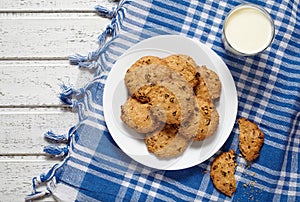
(22, 129)
(53, 5)
(37, 83)
(49, 35)
(16, 174)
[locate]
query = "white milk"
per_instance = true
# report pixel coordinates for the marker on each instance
(248, 30)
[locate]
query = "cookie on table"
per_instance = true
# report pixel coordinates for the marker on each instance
(166, 143)
(222, 172)
(138, 116)
(212, 81)
(251, 139)
(185, 65)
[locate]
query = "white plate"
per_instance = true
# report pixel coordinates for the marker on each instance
(115, 94)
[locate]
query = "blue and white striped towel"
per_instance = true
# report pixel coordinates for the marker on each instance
(268, 87)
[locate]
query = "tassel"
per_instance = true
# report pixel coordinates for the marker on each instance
(87, 61)
(67, 93)
(55, 137)
(110, 30)
(36, 181)
(56, 151)
(103, 11)
(103, 36)
(90, 61)
(75, 59)
(45, 177)
(89, 65)
(37, 195)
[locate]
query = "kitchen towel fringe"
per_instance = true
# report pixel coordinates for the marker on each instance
(105, 12)
(115, 14)
(36, 181)
(59, 138)
(37, 195)
(50, 175)
(56, 151)
(112, 13)
(68, 95)
(71, 97)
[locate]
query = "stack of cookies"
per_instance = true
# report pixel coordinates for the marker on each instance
(171, 102)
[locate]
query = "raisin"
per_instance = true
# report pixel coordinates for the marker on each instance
(147, 77)
(207, 122)
(224, 173)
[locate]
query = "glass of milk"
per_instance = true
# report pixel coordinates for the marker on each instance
(248, 29)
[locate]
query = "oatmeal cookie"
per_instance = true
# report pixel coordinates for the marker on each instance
(222, 172)
(166, 143)
(212, 81)
(251, 139)
(201, 89)
(164, 89)
(208, 121)
(185, 66)
(138, 116)
(137, 76)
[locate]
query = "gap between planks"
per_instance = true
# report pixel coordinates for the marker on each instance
(42, 58)
(47, 11)
(28, 158)
(53, 5)
(63, 107)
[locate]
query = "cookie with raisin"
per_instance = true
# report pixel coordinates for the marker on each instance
(251, 139)
(166, 143)
(222, 173)
(138, 116)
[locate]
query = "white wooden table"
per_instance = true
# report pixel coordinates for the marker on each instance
(36, 37)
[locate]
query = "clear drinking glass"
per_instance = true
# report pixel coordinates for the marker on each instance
(247, 30)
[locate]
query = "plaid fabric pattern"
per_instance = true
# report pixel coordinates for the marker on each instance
(268, 87)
